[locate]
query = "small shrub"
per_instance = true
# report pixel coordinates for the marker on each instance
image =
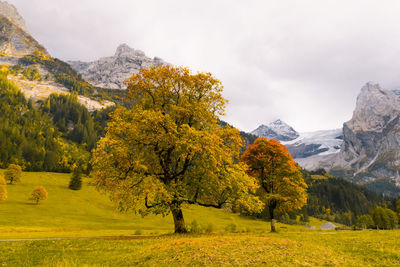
(138, 232)
(3, 192)
(285, 218)
(31, 74)
(195, 227)
(304, 218)
(39, 193)
(384, 218)
(365, 221)
(13, 173)
(231, 228)
(210, 228)
(2, 180)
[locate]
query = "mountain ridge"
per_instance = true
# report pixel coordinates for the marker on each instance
(112, 71)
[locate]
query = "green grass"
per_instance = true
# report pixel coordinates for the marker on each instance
(88, 213)
(149, 241)
(312, 248)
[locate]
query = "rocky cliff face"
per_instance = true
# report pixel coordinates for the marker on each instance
(9, 11)
(15, 40)
(111, 72)
(15, 43)
(371, 139)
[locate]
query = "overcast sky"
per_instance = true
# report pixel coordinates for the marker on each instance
(301, 61)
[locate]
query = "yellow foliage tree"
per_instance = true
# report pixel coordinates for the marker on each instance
(282, 186)
(3, 192)
(2, 180)
(39, 193)
(168, 150)
(13, 173)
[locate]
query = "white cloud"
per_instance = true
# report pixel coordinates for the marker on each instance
(301, 61)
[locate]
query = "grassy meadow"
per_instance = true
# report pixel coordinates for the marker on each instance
(97, 235)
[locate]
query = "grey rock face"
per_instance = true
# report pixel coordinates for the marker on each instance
(371, 139)
(277, 130)
(15, 40)
(111, 72)
(306, 150)
(10, 12)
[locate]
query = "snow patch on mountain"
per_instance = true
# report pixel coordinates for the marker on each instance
(325, 142)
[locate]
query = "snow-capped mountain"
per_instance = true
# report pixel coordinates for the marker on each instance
(277, 130)
(303, 146)
(321, 143)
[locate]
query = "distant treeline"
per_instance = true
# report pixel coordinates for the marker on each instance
(334, 199)
(338, 200)
(56, 134)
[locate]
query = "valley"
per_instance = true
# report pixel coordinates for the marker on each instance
(97, 235)
(125, 160)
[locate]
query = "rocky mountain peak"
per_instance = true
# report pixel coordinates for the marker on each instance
(112, 71)
(375, 107)
(277, 130)
(124, 50)
(15, 40)
(10, 12)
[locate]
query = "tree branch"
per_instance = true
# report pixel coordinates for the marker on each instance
(146, 203)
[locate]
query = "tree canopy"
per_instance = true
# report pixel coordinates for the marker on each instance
(39, 193)
(3, 192)
(13, 173)
(282, 186)
(28, 136)
(168, 150)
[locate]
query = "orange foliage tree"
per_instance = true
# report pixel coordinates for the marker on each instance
(168, 150)
(282, 187)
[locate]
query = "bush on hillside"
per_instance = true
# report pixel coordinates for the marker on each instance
(365, 221)
(384, 218)
(13, 173)
(2, 180)
(39, 193)
(3, 192)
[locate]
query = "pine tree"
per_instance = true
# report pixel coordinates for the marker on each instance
(76, 180)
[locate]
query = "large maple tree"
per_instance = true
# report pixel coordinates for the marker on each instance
(169, 151)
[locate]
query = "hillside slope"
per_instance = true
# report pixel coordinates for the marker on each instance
(87, 209)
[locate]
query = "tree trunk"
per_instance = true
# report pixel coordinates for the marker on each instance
(179, 222)
(271, 214)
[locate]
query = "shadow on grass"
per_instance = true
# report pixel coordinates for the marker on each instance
(30, 203)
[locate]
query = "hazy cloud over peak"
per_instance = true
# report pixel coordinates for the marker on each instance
(301, 61)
